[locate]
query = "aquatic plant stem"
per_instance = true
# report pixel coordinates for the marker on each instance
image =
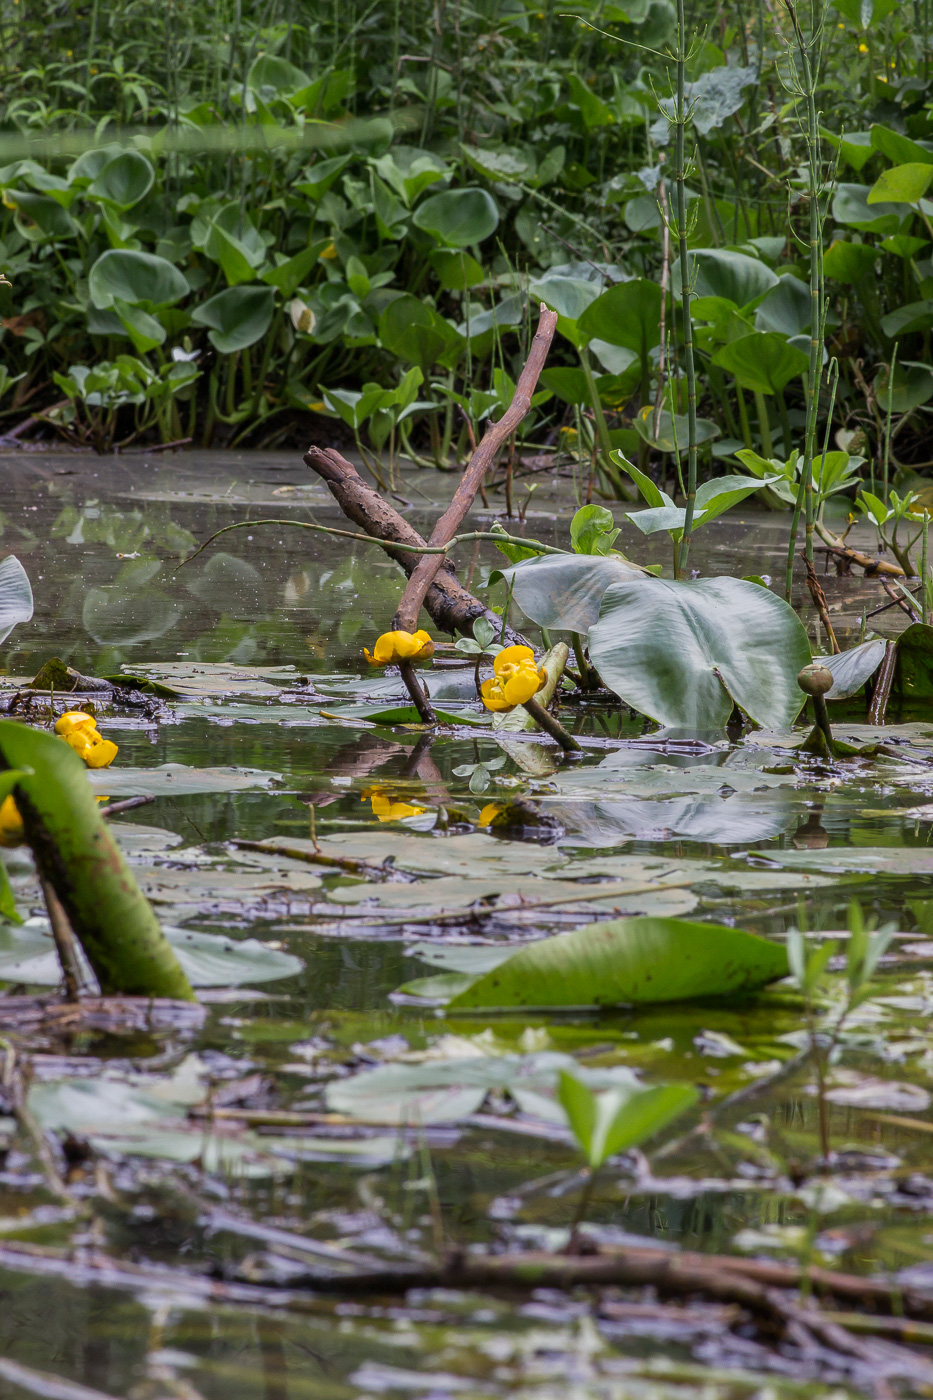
(807, 89)
(418, 693)
(546, 721)
(680, 123)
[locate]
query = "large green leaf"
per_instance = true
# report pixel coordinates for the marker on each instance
(625, 961)
(628, 314)
(16, 602)
(123, 181)
(904, 320)
(763, 362)
(416, 332)
(564, 591)
(237, 317)
(851, 206)
(902, 184)
(683, 652)
(140, 279)
(458, 218)
(726, 276)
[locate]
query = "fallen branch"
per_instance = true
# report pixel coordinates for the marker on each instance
(835, 546)
(450, 606)
(482, 459)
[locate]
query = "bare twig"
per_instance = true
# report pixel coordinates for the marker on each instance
(425, 571)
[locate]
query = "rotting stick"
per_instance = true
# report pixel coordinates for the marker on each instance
(883, 682)
(425, 571)
(835, 545)
(451, 607)
(64, 938)
(819, 600)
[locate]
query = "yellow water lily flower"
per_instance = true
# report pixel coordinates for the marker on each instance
(516, 679)
(11, 823)
(388, 811)
(79, 731)
(393, 647)
(489, 813)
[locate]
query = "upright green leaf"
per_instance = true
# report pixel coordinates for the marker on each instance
(683, 653)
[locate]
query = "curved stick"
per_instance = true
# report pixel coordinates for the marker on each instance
(495, 435)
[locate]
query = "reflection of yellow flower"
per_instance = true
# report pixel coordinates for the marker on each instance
(11, 823)
(393, 647)
(79, 730)
(489, 813)
(387, 810)
(516, 679)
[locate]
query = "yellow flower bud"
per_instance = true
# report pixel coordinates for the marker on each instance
(79, 731)
(11, 823)
(393, 647)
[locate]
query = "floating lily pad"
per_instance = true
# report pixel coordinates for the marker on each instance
(178, 780)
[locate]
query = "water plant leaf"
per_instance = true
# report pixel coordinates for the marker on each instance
(682, 653)
(139, 279)
(123, 181)
(458, 218)
(16, 601)
(610, 1122)
(564, 591)
(195, 680)
(179, 780)
(902, 184)
(733, 277)
(852, 668)
(763, 362)
(237, 317)
(625, 961)
(628, 314)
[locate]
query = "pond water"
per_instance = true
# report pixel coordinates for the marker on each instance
(299, 1153)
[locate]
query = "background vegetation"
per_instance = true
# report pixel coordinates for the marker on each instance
(218, 221)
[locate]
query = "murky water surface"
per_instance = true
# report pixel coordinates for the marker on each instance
(731, 834)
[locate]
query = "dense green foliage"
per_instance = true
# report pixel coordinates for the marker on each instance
(215, 221)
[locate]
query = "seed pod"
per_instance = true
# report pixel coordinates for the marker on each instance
(815, 679)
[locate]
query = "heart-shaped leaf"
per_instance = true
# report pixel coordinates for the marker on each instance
(682, 653)
(237, 317)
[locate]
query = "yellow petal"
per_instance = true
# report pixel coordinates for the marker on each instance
(522, 685)
(11, 823)
(493, 697)
(489, 813)
(101, 754)
(73, 720)
(512, 656)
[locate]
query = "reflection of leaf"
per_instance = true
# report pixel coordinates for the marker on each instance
(630, 960)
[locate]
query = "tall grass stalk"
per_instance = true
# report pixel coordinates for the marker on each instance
(681, 116)
(804, 84)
